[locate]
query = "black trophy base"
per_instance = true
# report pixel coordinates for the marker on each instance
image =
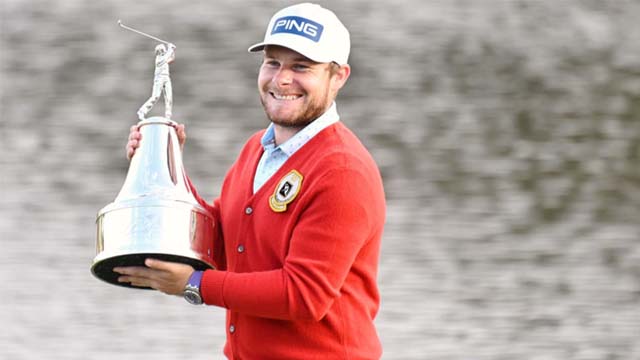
(103, 269)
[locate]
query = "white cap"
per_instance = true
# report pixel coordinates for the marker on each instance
(310, 30)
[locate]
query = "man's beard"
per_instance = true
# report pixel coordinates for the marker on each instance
(313, 111)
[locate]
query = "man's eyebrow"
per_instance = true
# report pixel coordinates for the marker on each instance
(304, 59)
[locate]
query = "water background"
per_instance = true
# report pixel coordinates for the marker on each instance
(506, 131)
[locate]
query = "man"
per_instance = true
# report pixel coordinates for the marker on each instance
(161, 82)
(300, 212)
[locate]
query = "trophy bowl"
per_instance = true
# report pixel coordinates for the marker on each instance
(155, 215)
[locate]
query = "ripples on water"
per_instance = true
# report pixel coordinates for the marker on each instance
(506, 133)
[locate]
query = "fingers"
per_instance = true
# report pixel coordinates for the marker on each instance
(134, 132)
(168, 277)
(135, 136)
(135, 276)
(181, 133)
(135, 272)
(141, 276)
(131, 147)
(133, 142)
(160, 265)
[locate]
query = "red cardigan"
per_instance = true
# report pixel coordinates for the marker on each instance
(297, 261)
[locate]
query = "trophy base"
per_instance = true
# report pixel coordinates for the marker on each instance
(104, 268)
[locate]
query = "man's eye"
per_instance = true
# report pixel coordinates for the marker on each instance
(300, 67)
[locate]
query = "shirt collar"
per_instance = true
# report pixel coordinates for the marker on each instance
(303, 136)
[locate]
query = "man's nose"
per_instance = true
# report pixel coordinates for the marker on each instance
(283, 76)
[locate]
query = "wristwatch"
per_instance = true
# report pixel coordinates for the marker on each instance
(192, 289)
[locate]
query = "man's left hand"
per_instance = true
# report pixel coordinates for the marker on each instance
(168, 277)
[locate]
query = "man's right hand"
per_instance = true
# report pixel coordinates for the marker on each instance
(135, 137)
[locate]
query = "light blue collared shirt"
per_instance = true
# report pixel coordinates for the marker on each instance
(275, 156)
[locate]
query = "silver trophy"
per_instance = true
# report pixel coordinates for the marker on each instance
(155, 215)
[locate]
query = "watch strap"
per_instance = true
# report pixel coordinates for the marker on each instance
(195, 279)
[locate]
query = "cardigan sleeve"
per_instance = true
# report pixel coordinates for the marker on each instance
(342, 215)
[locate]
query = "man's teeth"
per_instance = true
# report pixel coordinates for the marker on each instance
(285, 97)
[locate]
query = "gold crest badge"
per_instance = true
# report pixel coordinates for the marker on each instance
(286, 191)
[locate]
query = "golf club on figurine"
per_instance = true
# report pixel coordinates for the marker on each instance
(161, 79)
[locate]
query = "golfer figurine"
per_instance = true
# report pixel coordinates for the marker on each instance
(161, 81)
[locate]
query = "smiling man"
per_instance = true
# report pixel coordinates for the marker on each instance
(300, 213)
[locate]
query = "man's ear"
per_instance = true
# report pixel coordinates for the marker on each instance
(340, 76)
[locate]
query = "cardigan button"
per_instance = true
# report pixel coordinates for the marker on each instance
(232, 329)
(241, 248)
(248, 210)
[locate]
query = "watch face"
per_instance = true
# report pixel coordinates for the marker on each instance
(192, 297)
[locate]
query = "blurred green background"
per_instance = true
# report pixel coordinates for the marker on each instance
(506, 132)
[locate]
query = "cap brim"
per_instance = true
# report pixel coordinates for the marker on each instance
(257, 47)
(304, 52)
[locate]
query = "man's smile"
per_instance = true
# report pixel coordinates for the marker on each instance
(284, 96)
